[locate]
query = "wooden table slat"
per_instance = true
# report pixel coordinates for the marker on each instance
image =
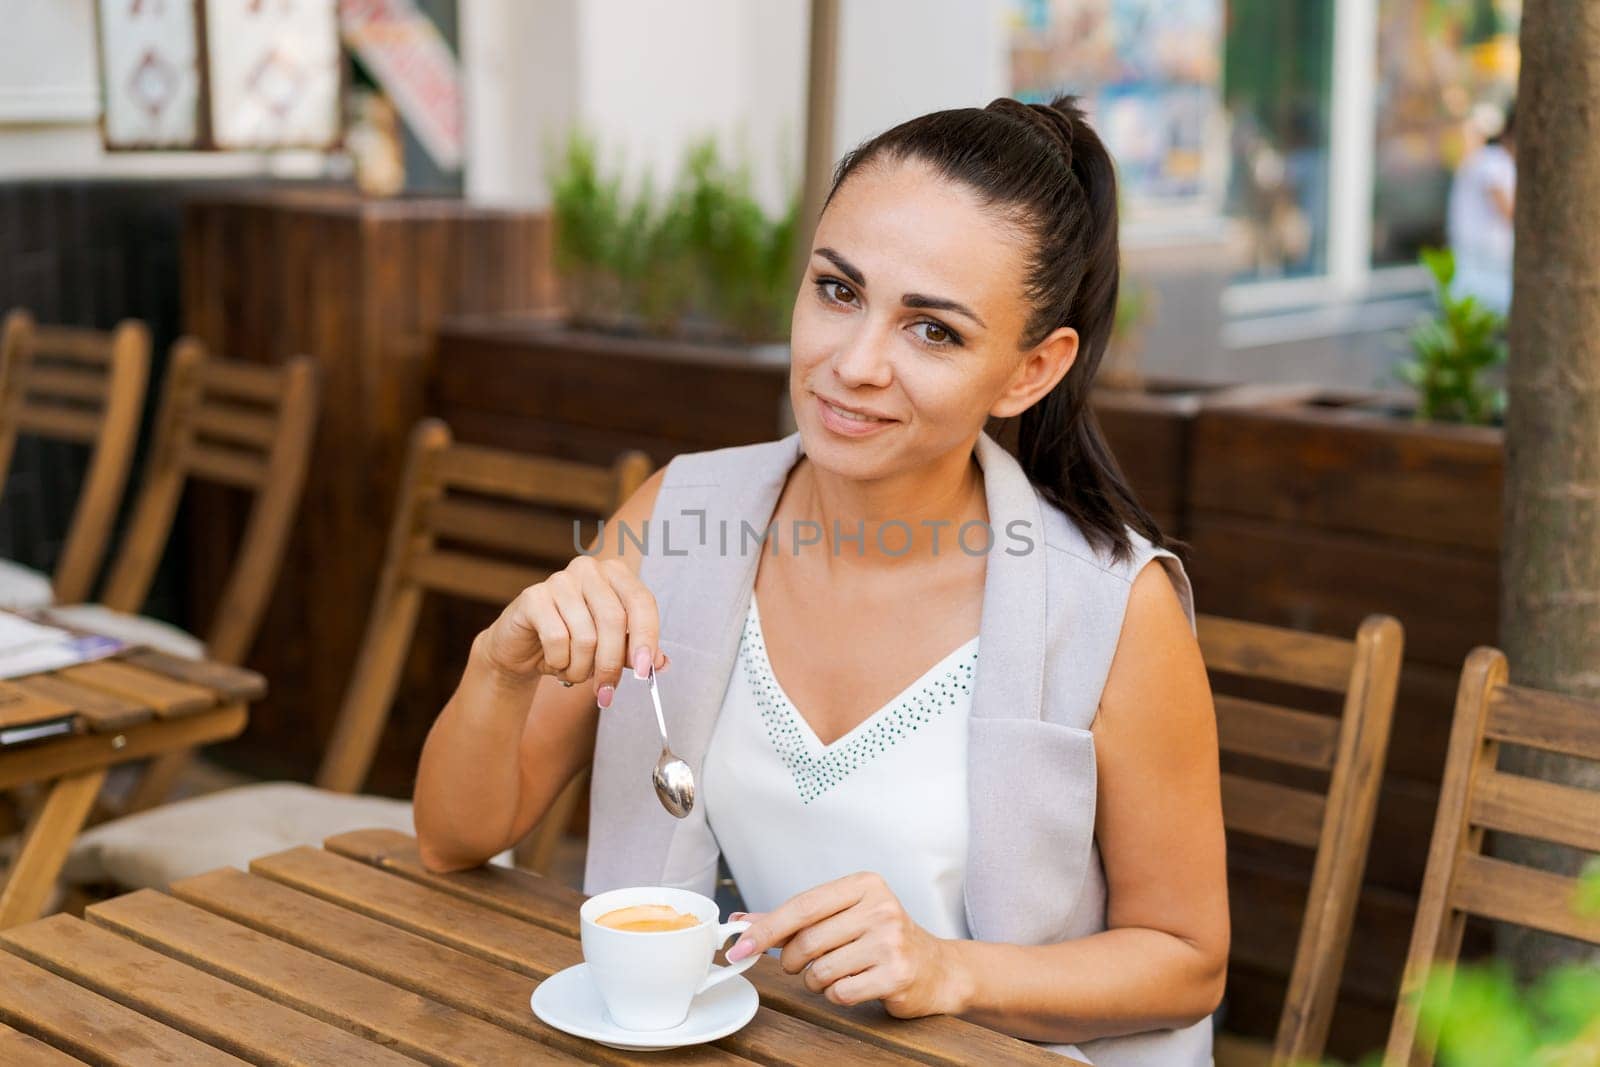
(514, 943)
(18, 1049)
(205, 1007)
(408, 960)
(231, 683)
(168, 697)
(22, 707)
(91, 1027)
(318, 987)
(102, 712)
(935, 1039)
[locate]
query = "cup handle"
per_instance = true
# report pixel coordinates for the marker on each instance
(720, 974)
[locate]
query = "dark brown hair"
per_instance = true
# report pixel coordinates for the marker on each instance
(1044, 168)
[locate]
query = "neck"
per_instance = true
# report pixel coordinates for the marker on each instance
(905, 518)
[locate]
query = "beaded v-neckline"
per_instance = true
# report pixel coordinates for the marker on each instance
(816, 766)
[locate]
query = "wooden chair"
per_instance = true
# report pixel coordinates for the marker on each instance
(471, 522)
(86, 387)
(246, 426)
(1337, 824)
(464, 510)
(1479, 796)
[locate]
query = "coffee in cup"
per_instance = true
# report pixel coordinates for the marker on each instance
(648, 919)
(649, 953)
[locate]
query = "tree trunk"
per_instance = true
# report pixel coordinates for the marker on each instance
(1550, 614)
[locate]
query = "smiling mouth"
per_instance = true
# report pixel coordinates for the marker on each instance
(852, 416)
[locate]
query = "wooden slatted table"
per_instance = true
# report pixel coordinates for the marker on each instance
(133, 706)
(354, 953)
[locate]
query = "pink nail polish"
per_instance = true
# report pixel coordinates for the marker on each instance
(603, 698)
(742, 948)
(642, 659)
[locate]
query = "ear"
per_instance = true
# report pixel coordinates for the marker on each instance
(1041, 368)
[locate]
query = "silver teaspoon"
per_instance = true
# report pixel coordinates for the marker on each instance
(673, 779)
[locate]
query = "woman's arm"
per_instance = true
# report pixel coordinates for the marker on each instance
(1162, 960)
(509, 740)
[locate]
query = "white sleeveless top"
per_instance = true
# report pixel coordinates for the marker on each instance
(890, 796)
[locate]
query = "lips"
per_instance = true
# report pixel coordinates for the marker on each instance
(845, 411)
(848, 421)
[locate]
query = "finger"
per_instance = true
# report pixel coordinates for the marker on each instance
(841, 963)
(870, 984)
(822, 938)
(644, 621)
(575, 615)
(797, 913)
(611, 634)
(536, 611)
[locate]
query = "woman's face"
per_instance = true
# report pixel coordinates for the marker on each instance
(907, 330)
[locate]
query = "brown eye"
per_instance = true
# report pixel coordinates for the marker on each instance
(841, 292)
(936, 333)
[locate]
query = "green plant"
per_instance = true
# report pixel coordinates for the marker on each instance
(705, 256)
(1453, 350)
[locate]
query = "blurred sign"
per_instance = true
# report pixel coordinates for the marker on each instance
(150, 68)
(407, 56)
(1150, 73)
(231, 74)
(274, 72)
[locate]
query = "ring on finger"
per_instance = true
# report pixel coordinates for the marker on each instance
(564, 683)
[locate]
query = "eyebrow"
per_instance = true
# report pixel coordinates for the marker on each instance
(910, 300)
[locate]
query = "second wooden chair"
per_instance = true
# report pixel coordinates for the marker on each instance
(1337, 823)
(241, 425)
(1478, 796)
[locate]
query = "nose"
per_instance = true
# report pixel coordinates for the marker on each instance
(863, 361)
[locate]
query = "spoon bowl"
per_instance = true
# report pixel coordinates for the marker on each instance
(673, 779)
(674, 783)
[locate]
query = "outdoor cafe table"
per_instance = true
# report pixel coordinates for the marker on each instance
(354, 953)
(135, 705)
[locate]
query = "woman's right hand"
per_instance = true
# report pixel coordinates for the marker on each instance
(583, 624)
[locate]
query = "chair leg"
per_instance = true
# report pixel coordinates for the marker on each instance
(535, 851)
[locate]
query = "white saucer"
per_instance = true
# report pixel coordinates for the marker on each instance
(569, 1001)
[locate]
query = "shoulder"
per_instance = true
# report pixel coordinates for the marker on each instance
(1073, 559)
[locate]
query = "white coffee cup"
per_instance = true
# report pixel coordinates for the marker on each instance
(648, 980)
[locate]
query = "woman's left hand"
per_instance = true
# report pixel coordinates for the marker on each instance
(852, 941)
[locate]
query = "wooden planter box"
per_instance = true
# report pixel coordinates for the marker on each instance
(1313, 515)
(360, 285)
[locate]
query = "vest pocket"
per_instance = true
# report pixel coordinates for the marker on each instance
(1031, 794)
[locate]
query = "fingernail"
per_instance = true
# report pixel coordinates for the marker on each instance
(736, 916)
(603, 698)
(641, 663)
(742, 948)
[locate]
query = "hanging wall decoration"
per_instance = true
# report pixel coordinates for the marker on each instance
(220, 74)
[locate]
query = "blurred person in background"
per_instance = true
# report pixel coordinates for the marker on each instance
(1481, 200)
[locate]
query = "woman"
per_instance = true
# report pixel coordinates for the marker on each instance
(952, 729)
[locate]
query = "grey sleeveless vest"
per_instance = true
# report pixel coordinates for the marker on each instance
(1052, 614)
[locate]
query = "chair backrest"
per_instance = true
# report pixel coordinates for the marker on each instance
(1337, 823)
(1479, 795)
(248, 426)
(471, 522)
(86, 387)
